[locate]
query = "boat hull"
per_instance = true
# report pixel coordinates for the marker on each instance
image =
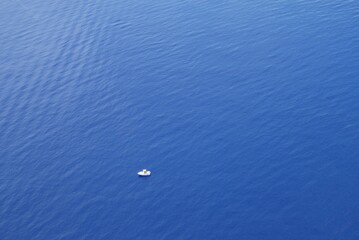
(141, 174)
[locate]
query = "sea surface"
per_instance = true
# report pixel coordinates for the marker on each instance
(245, 111)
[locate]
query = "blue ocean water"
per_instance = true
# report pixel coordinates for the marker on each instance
(246, 112)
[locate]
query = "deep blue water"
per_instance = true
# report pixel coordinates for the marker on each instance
(246, 112)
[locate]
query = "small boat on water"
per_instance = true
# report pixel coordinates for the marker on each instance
(144, 173)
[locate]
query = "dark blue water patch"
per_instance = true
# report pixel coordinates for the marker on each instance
(245, 112)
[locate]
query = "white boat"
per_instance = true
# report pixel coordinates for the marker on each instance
(144, 173)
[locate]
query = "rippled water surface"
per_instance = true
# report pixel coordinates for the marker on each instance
(246, 112)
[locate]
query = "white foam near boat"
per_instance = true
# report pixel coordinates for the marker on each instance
(144, 173)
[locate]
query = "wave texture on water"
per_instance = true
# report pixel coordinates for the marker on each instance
(246, 112)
